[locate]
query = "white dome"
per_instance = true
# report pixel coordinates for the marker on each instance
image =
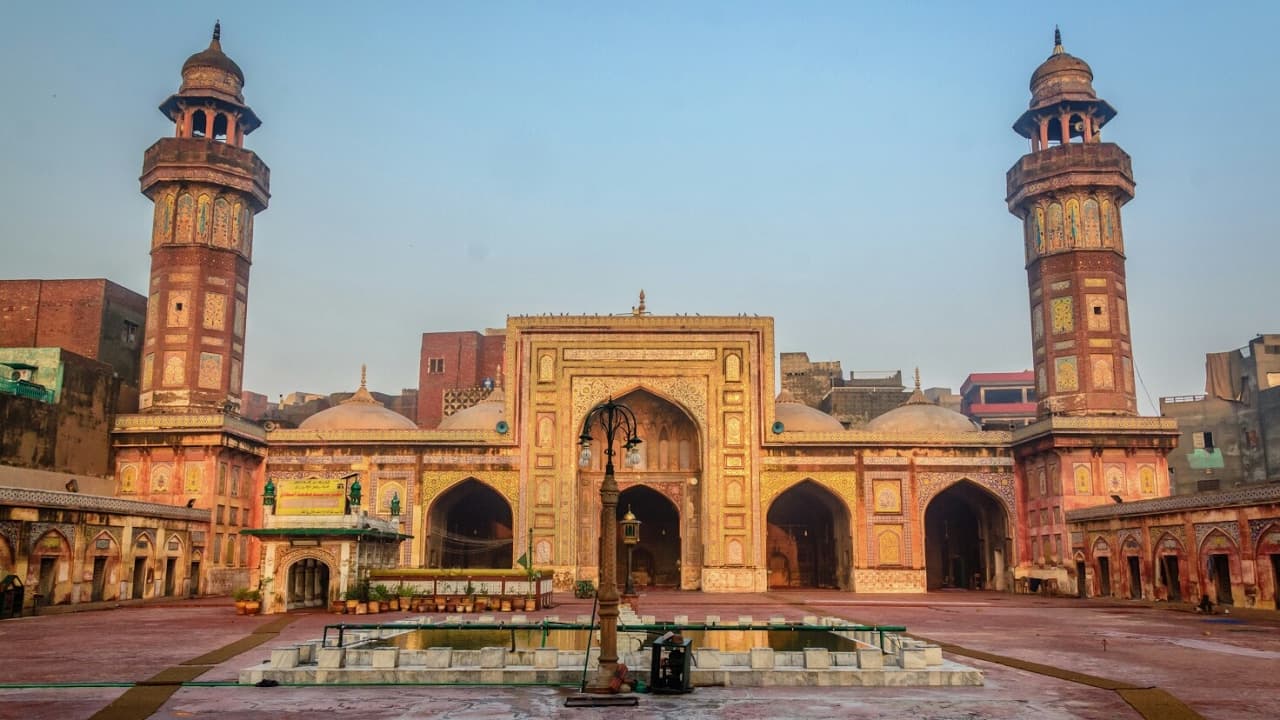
(795, 416)
(484, 415)
(358, 412)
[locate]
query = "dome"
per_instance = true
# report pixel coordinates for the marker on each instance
(484, 415)
(1061, 77)
(358, 412)
(795, 416)
(213, 57)
(919, 415)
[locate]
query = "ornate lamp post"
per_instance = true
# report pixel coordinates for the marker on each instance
(617, 422)
(395, 505)
(353, 493)
(630, 536)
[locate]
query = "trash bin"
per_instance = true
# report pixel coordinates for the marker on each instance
(669, 671)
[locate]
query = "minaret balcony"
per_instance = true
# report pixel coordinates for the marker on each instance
(1073, 165)
(202, 160)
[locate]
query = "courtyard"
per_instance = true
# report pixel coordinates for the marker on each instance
(1041, 658)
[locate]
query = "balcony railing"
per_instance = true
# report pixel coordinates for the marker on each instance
(25, 389)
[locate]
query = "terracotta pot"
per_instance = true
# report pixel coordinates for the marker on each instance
(393, 603)
(351, 606)
(252, 607)
(375, 607)
(362, 608)
(338, 607)
(241, 607)
(530, 604)
(506, 604)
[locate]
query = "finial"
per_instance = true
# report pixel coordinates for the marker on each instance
(917, 379)
(1057, 41)
(639, 309)
(217, 30)
(364, 371)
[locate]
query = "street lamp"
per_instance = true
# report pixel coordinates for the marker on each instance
(630, 536)
(614, 419)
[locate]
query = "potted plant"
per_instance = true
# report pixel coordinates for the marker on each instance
(360, 595)
(253, 602)
(584, 589)
(338, 607)
(405, 593)
(506, 604)
(241, 598)
(468, 597)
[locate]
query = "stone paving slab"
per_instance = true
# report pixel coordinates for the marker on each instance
(1222, 667)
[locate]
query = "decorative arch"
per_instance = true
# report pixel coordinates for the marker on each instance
(310, 577)
(388, 489)
(1055, 229)
(7, 564)
(1092, 223)
(809, 538)
(1216, 539)
(657, 555)
(966, 536)
(1266, 539)
(1100, 547)
(49, 567)
(1130, 544)
(687, 396)
(470, 525)
(437, 482)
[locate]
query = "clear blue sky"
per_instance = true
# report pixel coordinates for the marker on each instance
(839, 166)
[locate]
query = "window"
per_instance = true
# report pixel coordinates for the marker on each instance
(1202, 441)
(129, 333)
(1272, 349)
(217, 546)
(235, 481)
(234, 519)
(435, 366)
(222, 513)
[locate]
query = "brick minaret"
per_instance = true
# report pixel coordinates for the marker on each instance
(1068, 191)
(207, 189)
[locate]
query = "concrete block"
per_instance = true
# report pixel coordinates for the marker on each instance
(910, 658)
(330, 658)
(844, 659)
(870, 658)
(713, 619)
(932, 655)
(520, 619)
(306, 653)
(648, 619)
(706, 658)
(465, 658)
(546, 658)
(284, 658)
(584, 619)
(493, 657)
(385, 658)
(548, 618)
(777, 620)
(681, 620)
(817, 659)
(810, 619)
(762, 658)
(745, 620)
(438, 657)
(485, 619)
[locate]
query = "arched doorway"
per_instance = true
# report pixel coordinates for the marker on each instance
(671, 458)
(656, 559)
(809, 543)
(308, 584)
(49, 569)
(470, 527)
(103, 558)
(965, 533)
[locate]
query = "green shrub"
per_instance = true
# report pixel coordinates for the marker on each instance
(584, 589)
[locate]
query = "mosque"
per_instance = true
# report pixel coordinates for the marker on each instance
(739, 488)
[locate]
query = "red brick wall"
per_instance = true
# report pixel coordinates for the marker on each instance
(468, 356)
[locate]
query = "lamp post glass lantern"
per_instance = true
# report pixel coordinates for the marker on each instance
(617, 423)
(630, 536)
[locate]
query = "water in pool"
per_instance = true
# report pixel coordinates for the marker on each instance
(726, 640)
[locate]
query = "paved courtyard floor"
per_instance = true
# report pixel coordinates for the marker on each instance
(1044, 658)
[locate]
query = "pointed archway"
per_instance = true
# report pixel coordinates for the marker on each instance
(670, 466)
(656, 559)
(965, 534)
(470, 526)
(809, 543)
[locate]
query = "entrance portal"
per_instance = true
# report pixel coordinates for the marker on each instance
(656, 558)
(1104, 576)
(964, 526)
(470, 527)
(1220, 575)
(809, 542)
(308, 584)
(1135, 578)
(1172, 586)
